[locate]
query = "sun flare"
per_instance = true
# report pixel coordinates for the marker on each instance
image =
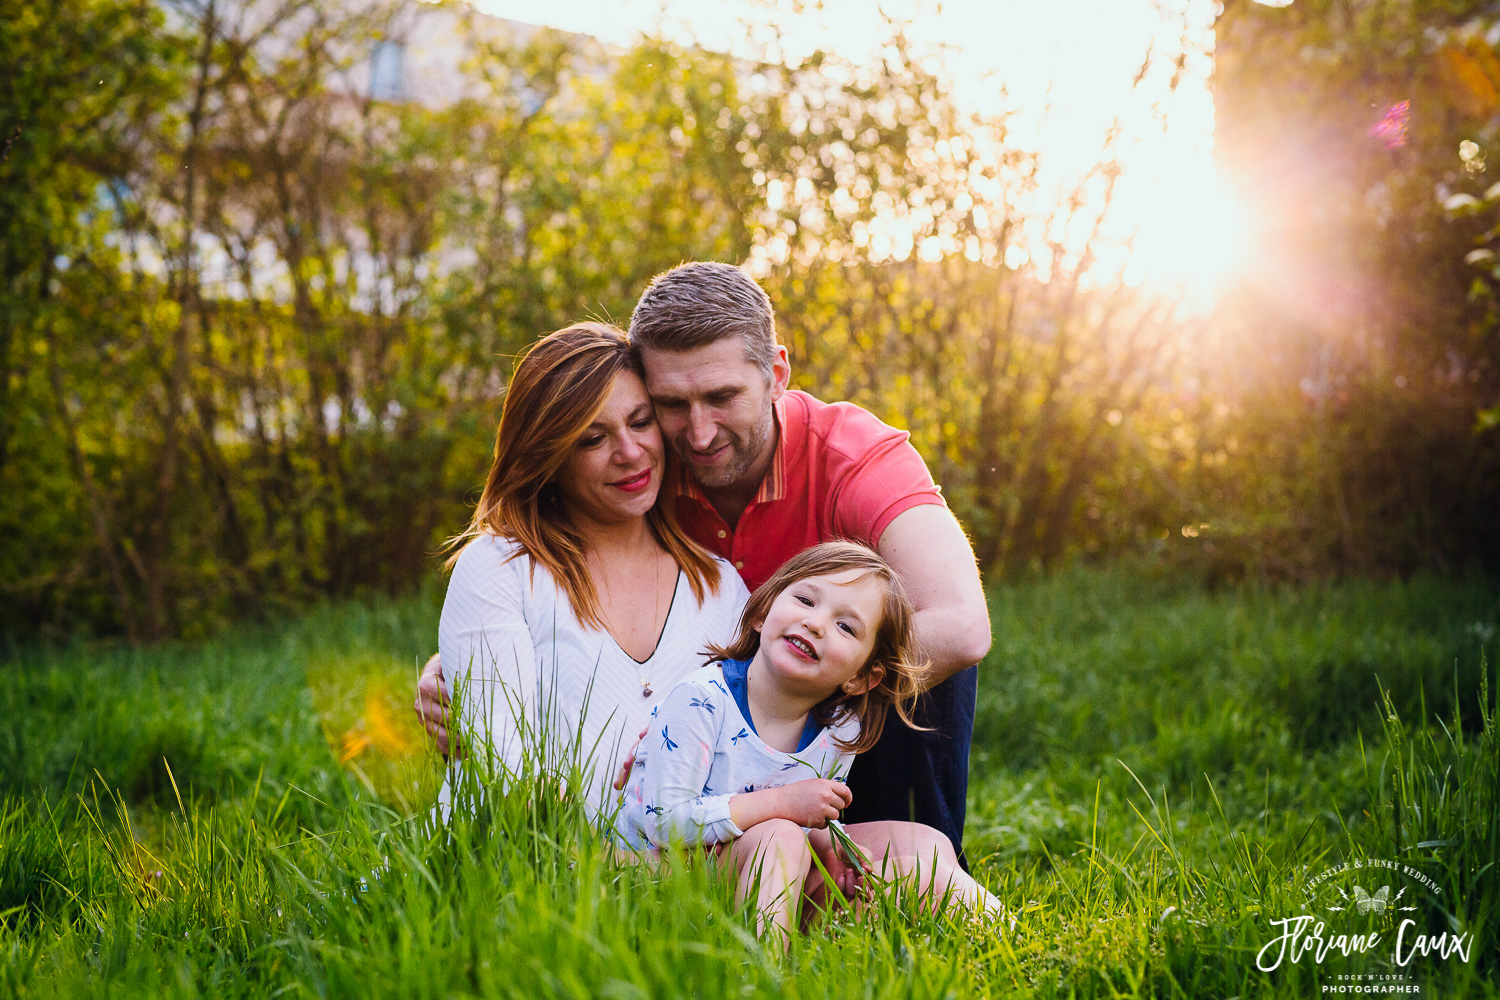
(1193, 237)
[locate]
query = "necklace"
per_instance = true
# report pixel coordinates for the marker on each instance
(643, 680)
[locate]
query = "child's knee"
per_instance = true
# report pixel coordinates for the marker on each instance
(776, 845)
(780, 837)
(943, 844)
(925, 844)
(784, 834)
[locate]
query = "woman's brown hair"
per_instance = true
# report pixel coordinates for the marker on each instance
(895, 649)
(560, 384)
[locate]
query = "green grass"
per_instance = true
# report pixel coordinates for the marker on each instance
(1157, 769)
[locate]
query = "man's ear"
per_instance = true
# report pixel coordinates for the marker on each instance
(781, 372)
(869, 682)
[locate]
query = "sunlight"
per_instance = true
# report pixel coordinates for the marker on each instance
(1064, 77)
(1193, 238)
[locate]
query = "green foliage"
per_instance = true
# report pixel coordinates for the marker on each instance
(85, 81)
(254, 324)
(1221, 682)
(259, 358)
(280, 871)
(1362, 342)
(1442, 810)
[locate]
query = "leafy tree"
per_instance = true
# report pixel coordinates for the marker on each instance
(86, 85)
(1354, 354)
(257, 321)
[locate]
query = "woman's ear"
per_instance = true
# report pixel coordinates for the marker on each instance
(757, 626)
(868, 681)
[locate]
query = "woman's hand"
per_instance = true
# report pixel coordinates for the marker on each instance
(811, 802)
(431, 704)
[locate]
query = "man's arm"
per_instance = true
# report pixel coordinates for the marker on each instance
(928, 550)
(431, 704)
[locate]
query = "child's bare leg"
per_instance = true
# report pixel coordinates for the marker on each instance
(913, 852)
(772, 861)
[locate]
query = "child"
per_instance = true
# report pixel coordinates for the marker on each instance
(749, 753)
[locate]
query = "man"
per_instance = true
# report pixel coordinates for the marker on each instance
(770, 471)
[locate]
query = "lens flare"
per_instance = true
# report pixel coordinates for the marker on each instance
(1391, 129)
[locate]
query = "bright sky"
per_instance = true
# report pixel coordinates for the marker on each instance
(1074, 58)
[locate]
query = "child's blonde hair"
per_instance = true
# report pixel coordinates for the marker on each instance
(895, 648)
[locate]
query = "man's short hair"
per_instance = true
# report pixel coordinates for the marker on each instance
(702, 302)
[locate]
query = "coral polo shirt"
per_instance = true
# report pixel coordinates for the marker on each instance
(838, 472)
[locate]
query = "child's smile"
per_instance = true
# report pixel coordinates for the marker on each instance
(802, 647)
(819, 632)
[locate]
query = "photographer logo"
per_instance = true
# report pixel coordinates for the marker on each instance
(1346, 919)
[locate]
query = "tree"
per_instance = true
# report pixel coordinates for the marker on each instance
(1357, 356)
(88, 81)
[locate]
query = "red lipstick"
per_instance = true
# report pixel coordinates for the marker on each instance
(635, 483)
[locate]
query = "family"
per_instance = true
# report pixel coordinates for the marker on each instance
(642, 487)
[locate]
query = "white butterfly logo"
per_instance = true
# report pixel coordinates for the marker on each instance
(1367, 902)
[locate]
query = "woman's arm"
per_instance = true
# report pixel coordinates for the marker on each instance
(488, 659)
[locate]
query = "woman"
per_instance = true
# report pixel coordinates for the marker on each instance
(577, 602)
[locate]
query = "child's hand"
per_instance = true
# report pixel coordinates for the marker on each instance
(848, 874)
(812, 802)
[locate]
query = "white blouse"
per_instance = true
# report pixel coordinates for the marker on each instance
(523, 666)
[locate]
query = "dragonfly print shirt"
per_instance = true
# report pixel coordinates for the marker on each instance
(700, 751)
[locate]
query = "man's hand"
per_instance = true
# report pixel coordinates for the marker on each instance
(431, 705)
(848, 874)
(623, 775)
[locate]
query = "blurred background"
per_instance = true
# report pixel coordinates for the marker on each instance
(1208, 285)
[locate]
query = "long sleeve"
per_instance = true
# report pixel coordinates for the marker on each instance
(682, 742)
(489, 663)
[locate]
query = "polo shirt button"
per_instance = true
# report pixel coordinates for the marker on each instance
(723, 533)
(739, 565)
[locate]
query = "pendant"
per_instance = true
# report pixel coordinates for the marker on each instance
(646, 689)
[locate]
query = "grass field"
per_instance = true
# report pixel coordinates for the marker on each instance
(1158, 772)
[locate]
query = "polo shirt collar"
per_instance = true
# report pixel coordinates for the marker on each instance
(773, 486)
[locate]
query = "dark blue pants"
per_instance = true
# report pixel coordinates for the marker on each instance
(921, 776)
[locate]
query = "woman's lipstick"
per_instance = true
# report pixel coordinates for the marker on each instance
(635, 483)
